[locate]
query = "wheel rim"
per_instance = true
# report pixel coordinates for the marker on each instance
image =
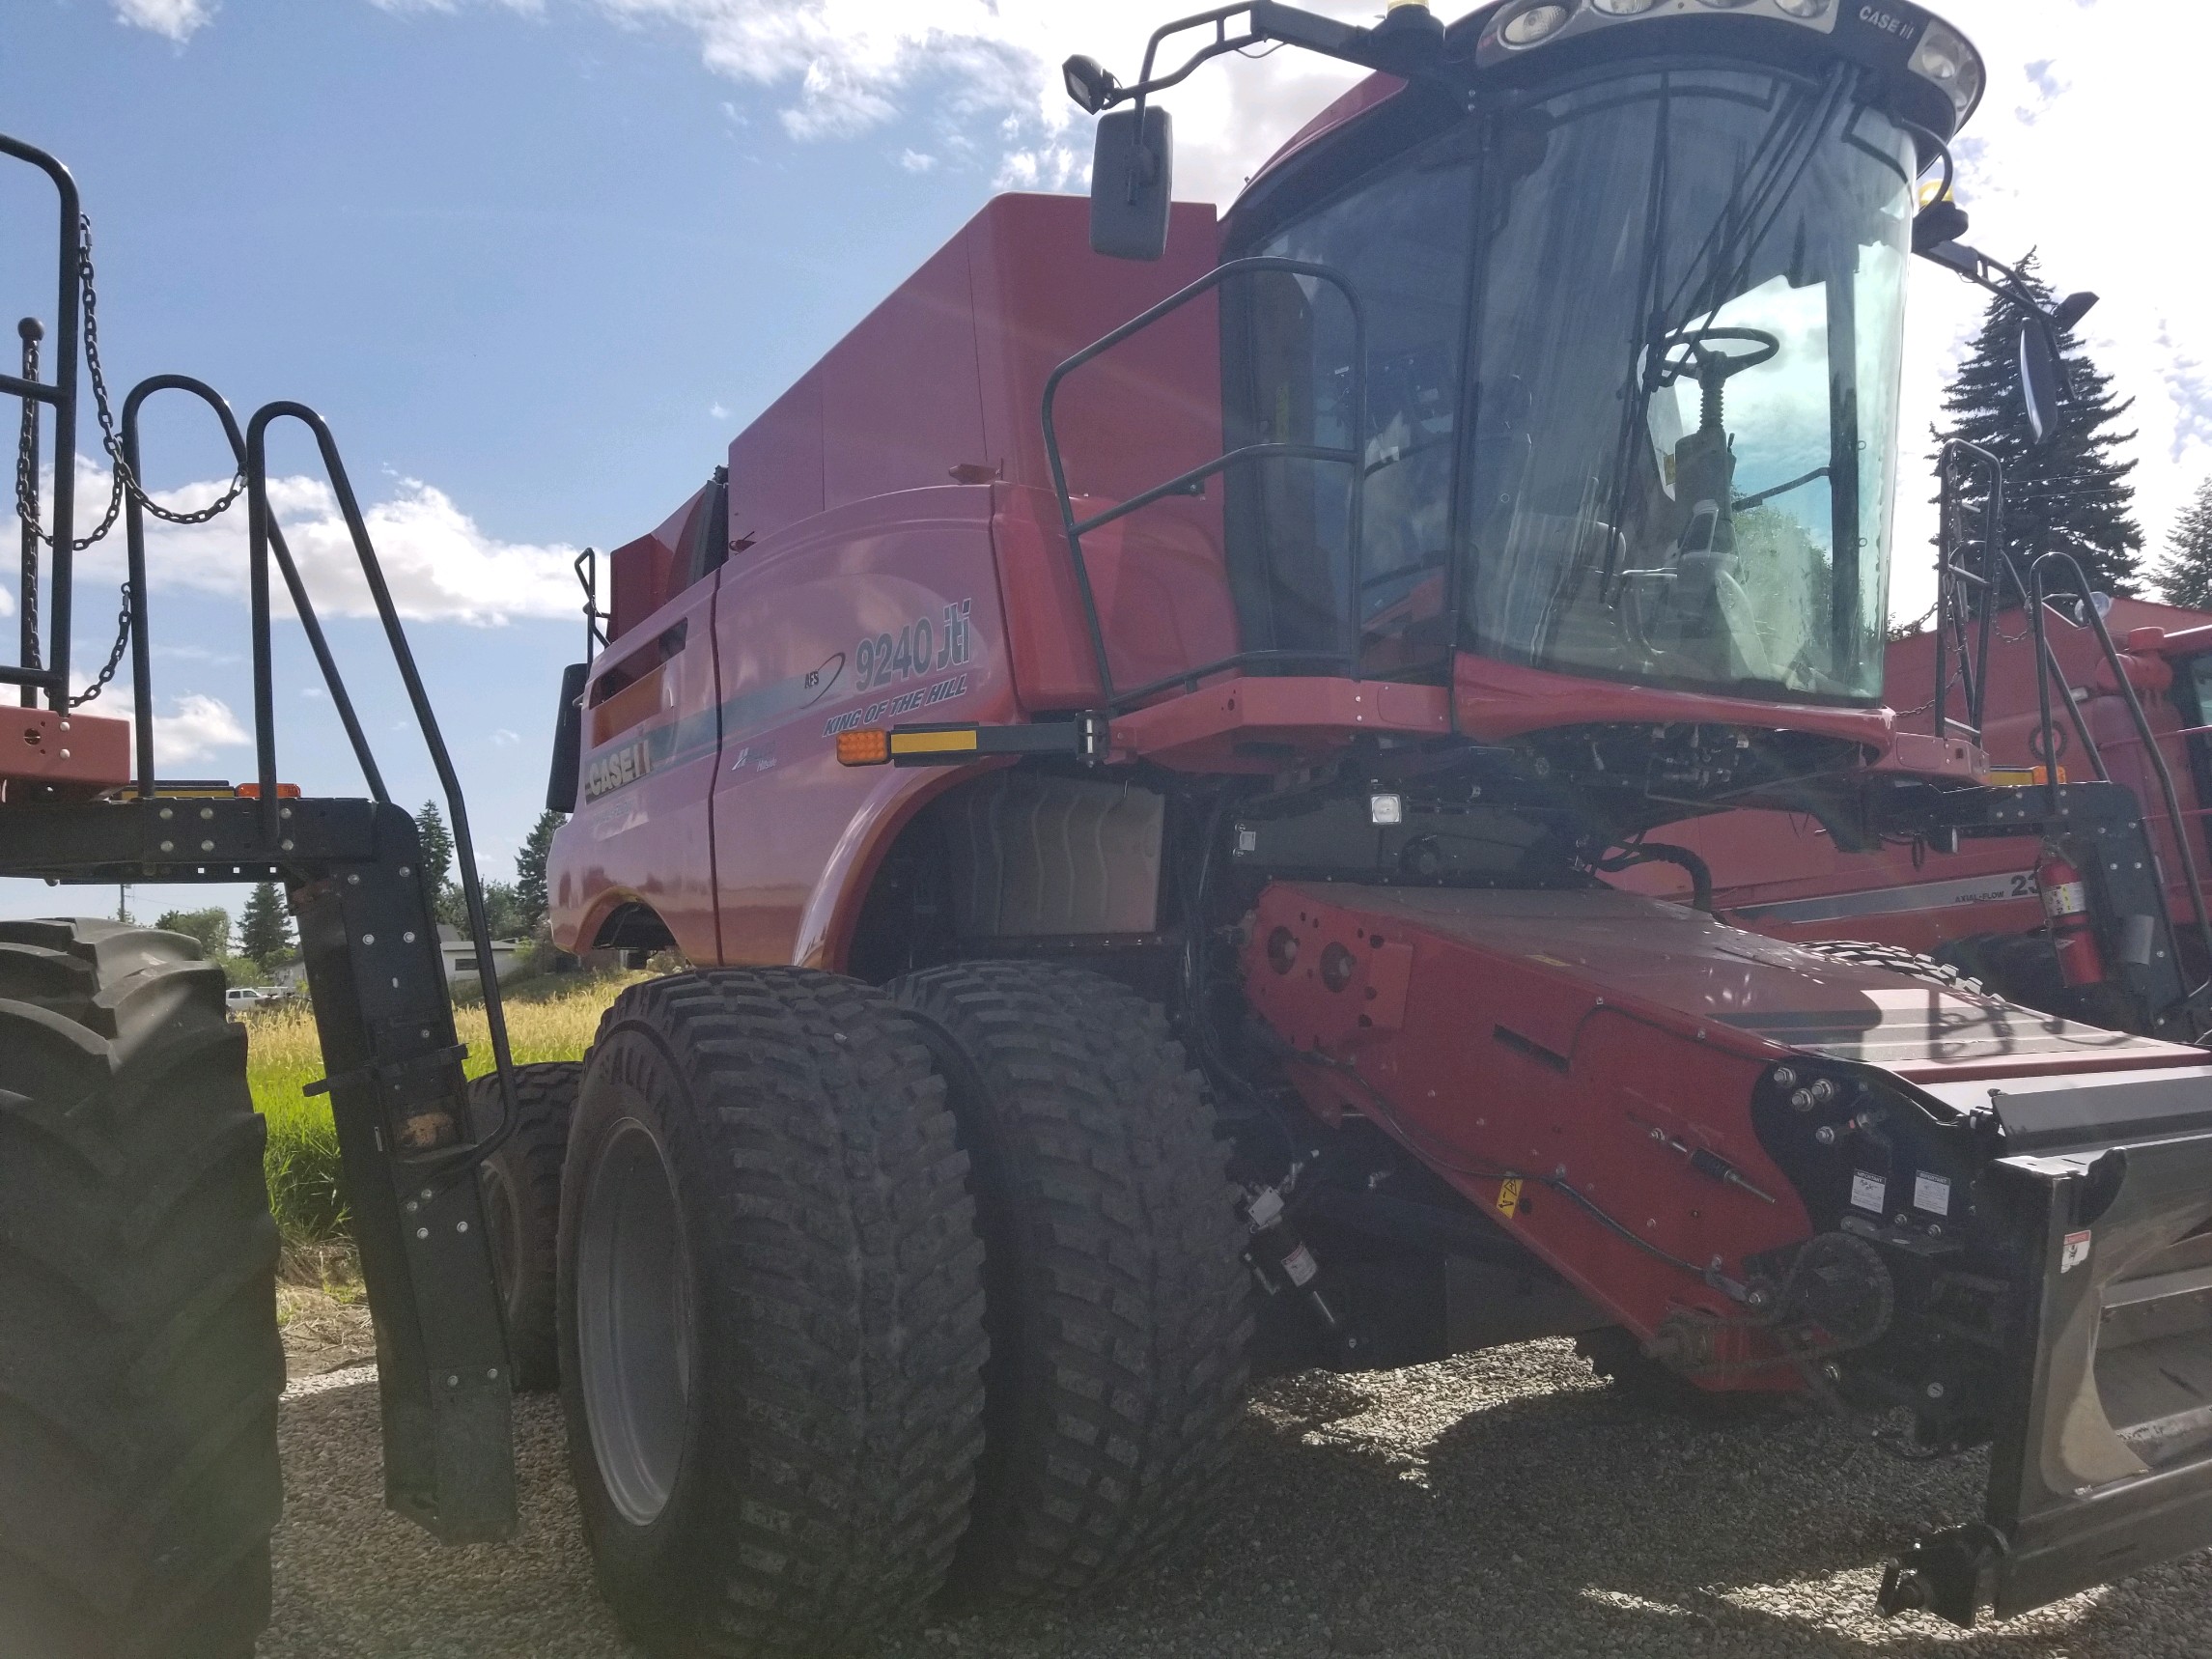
(634, 1322)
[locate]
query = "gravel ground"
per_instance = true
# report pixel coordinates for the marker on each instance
(1501, 1503)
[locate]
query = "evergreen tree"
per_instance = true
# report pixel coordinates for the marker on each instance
(211, 927)
(2073, 494)
(265, 935)
(2185, 578)
(530, 891)
(438, 847)
(502, 910)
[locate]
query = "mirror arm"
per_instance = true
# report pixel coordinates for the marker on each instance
(2002, 280)
(1270, 21)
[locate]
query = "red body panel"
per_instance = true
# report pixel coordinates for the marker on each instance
(873, 586)
(82, 754)
(1500, 700)
(853, 547)
(640, 834)
(1548, 1035)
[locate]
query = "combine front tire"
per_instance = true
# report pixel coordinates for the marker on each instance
(1117, 1305)
(522, 1210)
(770, 1314)
(139, 1363)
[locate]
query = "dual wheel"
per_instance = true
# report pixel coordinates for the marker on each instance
(867, 1297)
(856, 1298)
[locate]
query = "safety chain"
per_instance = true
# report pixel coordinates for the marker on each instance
(121, 479)
(26, 446)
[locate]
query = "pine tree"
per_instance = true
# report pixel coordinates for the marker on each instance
(2185, 578)
(2074, 494)
(438, 847)
(530, 891)
(264, 934)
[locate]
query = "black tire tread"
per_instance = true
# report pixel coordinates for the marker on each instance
(844, 1296)
(529, 1164)
(1130, 1306)
(142, 1367)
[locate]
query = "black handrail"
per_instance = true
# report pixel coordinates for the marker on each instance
(586, 568)
(2175, 819)
(1958, 616)
(260, 527)
(1967, 602)
(1352, 458)
(62, 394)
(141, 649)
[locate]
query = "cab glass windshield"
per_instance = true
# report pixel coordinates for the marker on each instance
(1630, 355)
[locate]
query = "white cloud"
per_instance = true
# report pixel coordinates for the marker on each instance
(842, 68)
(7, 603)
(439, 565)
(915, 161)
(717, 410)
(505, 739)
(527, 8)
(200, 726)
(2081, 150)
(178, 19)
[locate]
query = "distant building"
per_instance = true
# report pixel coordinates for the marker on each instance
(462, 966)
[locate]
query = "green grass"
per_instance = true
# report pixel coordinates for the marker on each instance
(551, 1019)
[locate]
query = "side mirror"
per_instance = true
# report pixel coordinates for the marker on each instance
(2070, 311)
(2042, 381)
(1133, 183)
(562, 783)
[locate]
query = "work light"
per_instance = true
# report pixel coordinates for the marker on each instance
(1945, 59)
(1536, 24)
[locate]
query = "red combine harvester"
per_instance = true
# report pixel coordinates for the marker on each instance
(2029, 920)
(1221, 680)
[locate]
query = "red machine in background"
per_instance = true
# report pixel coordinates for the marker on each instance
(1228, 675)
(2028, 920)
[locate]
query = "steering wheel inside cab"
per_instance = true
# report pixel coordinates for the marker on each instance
(1699, 354)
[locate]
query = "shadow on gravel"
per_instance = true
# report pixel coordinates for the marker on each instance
(1498, 1504)
(357, 1582)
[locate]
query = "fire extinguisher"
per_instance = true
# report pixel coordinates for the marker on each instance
(2073, 934)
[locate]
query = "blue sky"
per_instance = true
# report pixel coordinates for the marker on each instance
(539, 260)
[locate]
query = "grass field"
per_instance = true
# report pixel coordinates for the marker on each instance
(547, 1020)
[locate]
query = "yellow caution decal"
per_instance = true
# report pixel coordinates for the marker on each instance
(1509, 1195)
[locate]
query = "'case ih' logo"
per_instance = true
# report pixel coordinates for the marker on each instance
(611, 771)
